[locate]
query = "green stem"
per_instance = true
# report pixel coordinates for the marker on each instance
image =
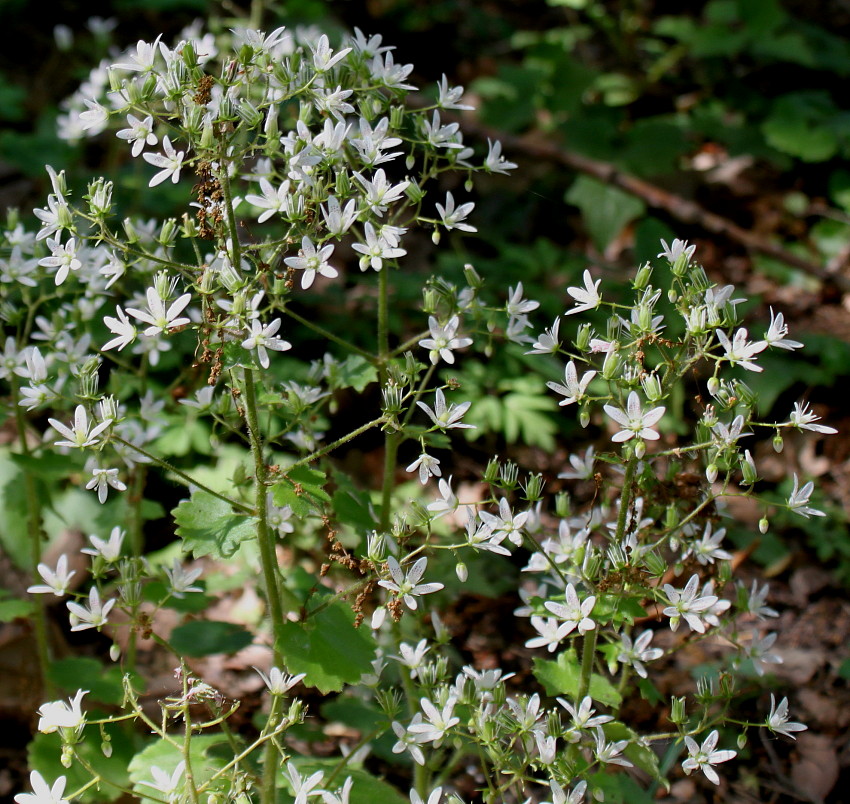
(245, 509)
(268, 559)
(391, 442)
(338, 443)
(270, 758)
(34, 526)
(587, 656)
(327, 334)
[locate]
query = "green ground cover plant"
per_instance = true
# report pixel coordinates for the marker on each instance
(211, 352)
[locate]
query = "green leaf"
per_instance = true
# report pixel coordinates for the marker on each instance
(606, 210)
(351, 505)
(104, 684)
(562, 676)
(354, 372)
(302, 490)
(327, 648)
(208, 526)
(800, 124)
(641, 756)
(205, 637)
(12, 609)
(165, 756)
(366, 788)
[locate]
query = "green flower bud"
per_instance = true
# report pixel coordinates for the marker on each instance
(713, 386)
(711, 472)
(584, 417)
(677, 710)
(583, 337)
(763, 525)
(672, 296)
(642, 277)
(462, 571)
(562, 505)
(778, 442)
(491, 473)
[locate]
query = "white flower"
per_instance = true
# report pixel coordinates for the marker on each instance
(142, 60)
(79, 435)
(271, 200)
(92, 617)
(633, 420)
(304, 788)
(584, 715)
(406, 585)
(108, 549)
(447, 502)
(798, 502)
(639, 652)
(140, 133)
(434, 798)
(376, 249)
(160, 318)
(180, 579)
(337, 219)
(582, 466)
(344, 793)
(727, 435)
(587, 297)
(55, 581)
(777, 721)
(42, 793)
(804, 419)
(707, 549)
(453, 218)
(688, 604)
(57, 715)
(278, 682)
(704, 756)
(446, 418)
(437, 723)
(407, 741)
(64, 258)
(165, 784)
(573, 388)
(443, 339)
(323, 55)
(775, 335)
(171, 163)
(575, 613)
(549, 342)
(379, 192)
(428, 467)
(262, 338)
(495, 162)
(102, 479)
(506, 524)
(740, 350)
(516, 305)
(677, 250)
(609, 753)
(551, 631)
(312, 262)
(123, 329)
(449, 97)
(412, 658)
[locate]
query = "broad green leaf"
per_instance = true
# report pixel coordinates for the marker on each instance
(166, 757)
(800, 124)
(12, 609)
(104, 684)
(205, 637)
(561, 677)
(352, 505)
(208, 526)
(367, 789)
(354, 372)
(301, 489)
(327, 648)
(641, 756)
(606, 210)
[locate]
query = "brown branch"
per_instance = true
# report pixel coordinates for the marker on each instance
(677, 207)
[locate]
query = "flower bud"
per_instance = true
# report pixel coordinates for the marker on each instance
(651, 387)
(435, 236)
(640, 448)
(461, 571)
(677, 710)
(611, 365)
(778, 443)
(642, 277)
(584, 417)
(491, 473)
(711, 472)
(410, 162)
(741, 741)
(397, 117)
(748, 468)
(509, 475)
(562, 505)
(583, 337)
(713, 386)
(533, 487)
(671, 517)
(763, 525)
(672, 296)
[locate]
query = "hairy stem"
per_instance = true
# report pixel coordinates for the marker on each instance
(34, 526)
